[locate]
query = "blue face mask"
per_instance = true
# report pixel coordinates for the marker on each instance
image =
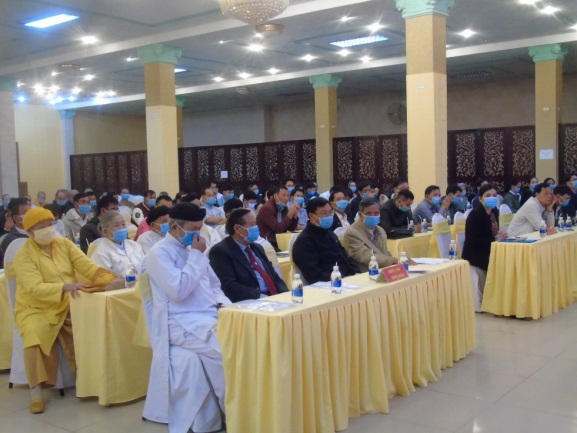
(326, 222)
(436, 201)
(565, 203)
(290, 189)
(575, 183)
(62, 202)
(256, 191)
(211, 201)
(365, 195)
(251, 205)
(188, 237)
(300, 200)
(552, 186)
(92, 203)
(372, 221)
(120, 235)
(151, 202)
(491, 202)
(253, 234)
(456, 201)
(534, 186)
(517, 190)
(313, 193)
(353, 188)
(84, 209)
(125, 196)
(229, 196)
(164, 228)
(281, 205)
(41, 200)
(405, 208)
(342, 205)
(6, 203)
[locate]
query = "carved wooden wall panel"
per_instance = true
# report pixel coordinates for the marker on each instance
(567, 150)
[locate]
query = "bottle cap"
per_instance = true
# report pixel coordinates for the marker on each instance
(373, 257)
(297, 276)
(335, 268)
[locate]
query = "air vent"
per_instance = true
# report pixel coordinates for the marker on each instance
(470, 75)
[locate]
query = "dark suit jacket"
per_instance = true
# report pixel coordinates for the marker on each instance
(236, 274)
(89, 233)
(11, 236)
(478, 237)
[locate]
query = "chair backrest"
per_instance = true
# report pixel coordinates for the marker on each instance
(11, 251)
(294, 267)
(145, 292)
(93, 246)
(442, 235)
(505, 217)
(460, 222)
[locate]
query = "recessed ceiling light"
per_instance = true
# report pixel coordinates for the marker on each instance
(244, 75)
(360, 41)
(39, 89)
(550, 10)
(51, 21)
(54, 88)
(574, 27)
(375, 27)
(76, 91)
(218, 79)
(344, 52)
(255, 48)
(131, 59)
(21, 99)
(259, 35)
(273, 71)
(345, 19)
(366, 59)
(54, 73)
(89, 40)
(179, 70)
(72, 98)
(88, 77)
(467, 33)
(528, 2)
(19, 84)
(308, 58)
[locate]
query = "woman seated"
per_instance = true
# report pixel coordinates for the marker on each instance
(481, 229)
(116, 252)
(46, 267)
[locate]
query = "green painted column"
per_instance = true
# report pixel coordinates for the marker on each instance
(548, 108)
(326, 123)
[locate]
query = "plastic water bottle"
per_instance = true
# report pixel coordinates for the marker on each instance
(561, 225)
(130, 277)
(373, 268)
(543, 229)
(453, 251)
(77, 239)
(448, 220)
(569, 224)
(412, 226)
(424, 227)
(297, 289)
(404, 261)
(336, 281)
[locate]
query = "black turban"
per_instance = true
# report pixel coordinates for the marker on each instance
(187, 212)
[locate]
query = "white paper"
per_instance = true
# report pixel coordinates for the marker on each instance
(326, 285)
(258, 305)
(428, 261)
(224, 174)
(546, 154)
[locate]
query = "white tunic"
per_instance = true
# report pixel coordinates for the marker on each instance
(148, 239)
(118, 258)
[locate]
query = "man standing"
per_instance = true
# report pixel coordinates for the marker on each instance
(186, 296)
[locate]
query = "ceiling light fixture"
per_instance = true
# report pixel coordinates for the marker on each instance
(54, 73)
(273, 71)
(179, 70)
(76, 91)
(550, 10)
(131, 59)
(259, 35)
(88, 77)
(71, 98)
(269, 29)
(467, 33)
(574, 27)
(21, 99)
(345, 19)
(344, 52)
(218, 79)
(255, 48)
(244, 75)
(308, 58)
(366, 59)
(375, 27)
(19, 84)
(528, 2)
(51, 21)
(89, 40)
(253, 12)
(360, 41)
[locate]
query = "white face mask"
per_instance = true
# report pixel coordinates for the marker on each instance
(44, 236)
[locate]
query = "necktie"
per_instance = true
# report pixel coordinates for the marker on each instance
(267, 279)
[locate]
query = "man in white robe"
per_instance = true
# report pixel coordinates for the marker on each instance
(186, 297)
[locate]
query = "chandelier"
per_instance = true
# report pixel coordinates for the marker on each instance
(253, 12)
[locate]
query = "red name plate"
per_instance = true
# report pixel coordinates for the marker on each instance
(394, 273)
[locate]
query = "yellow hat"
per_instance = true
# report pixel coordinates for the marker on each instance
(36, 215)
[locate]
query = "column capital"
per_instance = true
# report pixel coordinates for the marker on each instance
(543, 53)
(417, 8)
(7, 85)
(180, 101)
(159, 53)
(325, 80)
(66, 114)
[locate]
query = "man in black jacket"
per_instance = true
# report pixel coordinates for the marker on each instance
(240, 264)
(317, 249)
(363, 191)
(396, 213)
(16, 210)
(89, 231)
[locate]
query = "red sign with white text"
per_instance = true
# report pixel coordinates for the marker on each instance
(394, 273)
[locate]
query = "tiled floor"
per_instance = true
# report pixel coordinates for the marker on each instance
(521, 378)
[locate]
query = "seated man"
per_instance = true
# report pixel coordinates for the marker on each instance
(16, 211)
(399, 185)
(214, 213)
(140, 212)
(562, 197)
(571, 182)
(228, 207)
(396, 213)
(363, 191)
(125, 195)
(298, 196)
(365, 238)
(535, 210)
(186, 296)
(241, 264)
(143, 227)
(274, 217)
(250, 199)
(339, 202)
(157, 220)
(432, 204)
(76, 217)
(512, 197)
(456, 197)
(317, 249)
(89, 231)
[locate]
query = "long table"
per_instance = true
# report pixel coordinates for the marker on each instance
(5, 326)
(532, 280)
(311, 367)
(110, 366)
(418, 245)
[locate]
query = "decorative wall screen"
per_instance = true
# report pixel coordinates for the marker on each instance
(495, 154)
(110, 172)
(379, 159)
(567, 150)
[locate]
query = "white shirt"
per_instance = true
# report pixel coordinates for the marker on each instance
(212, 211)
(118, 258)
(148, 239)
(73, 222)
(528, 218)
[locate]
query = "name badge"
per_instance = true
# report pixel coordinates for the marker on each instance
(394, 273)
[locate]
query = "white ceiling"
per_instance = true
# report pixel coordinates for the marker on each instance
(504, 29)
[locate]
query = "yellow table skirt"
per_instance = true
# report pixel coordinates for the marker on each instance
(532, 280)
(311, 367)
(416, 246)
(110, 366)
(5, 326)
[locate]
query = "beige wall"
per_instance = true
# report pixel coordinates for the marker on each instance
(39, 137)
(101, 133)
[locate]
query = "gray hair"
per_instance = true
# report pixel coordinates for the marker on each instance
(106, 221)
(366, 202)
